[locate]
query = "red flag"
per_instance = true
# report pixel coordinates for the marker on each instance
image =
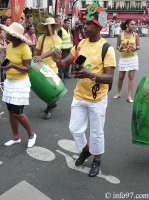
(17, 7)
(76, 9)
(66, 7)
(56, 8)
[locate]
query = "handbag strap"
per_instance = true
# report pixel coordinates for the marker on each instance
(42, 44)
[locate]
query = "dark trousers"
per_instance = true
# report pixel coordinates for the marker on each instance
(2, 75)
(65, 53)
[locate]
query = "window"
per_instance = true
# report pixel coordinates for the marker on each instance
(138, 3)
(34, 3)
(4, 3)
(41, 4)
(127, 4)
(83, 4)
(105, 4)
(147, 4)
(118, 4)
(114, 5)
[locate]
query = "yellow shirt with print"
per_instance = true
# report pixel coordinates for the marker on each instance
(49, 43)
(93, 52)
(16, 55)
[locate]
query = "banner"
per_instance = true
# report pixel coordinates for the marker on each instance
(76, 9)
(17, 7)
(66, 7)
(56, 8)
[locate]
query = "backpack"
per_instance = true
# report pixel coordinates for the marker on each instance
(96, 87)
(104, 51)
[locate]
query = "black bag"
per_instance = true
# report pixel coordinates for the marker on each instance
(104, 51)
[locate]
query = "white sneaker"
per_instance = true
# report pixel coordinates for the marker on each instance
(32, 141)
(11, 142)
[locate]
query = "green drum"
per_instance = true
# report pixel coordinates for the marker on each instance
(140, 115)
(45, 83)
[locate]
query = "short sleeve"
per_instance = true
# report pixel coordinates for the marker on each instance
(73, 51)
(26, 53)
(110, 59)
(58, 43)
(38, 46)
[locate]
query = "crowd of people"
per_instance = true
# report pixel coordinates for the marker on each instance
(113, 29)
(62, 48)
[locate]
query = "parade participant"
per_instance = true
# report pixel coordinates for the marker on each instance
(127, 43)
(44, 49)
(30, 35)
(78, 32)
(7, 21)
(65, 35)
(28, 21)
(17, 84)
(90, 94)
(3, 46)
(58, 19)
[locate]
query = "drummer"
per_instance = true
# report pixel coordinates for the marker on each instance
(44, 48)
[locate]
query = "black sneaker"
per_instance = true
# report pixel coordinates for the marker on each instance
(83, 156)
(47, 114)
(95, 167)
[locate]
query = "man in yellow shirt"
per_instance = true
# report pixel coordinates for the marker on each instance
(90, 95)
(44, 48)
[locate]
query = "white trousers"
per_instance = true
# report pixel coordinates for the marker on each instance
(81, 113)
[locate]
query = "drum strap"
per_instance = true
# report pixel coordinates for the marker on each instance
(42, 44)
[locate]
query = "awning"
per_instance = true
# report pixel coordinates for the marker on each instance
(133, 16)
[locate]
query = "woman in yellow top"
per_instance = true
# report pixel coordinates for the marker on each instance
(17, 84)
(127, 43)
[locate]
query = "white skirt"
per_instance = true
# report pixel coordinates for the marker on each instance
(128, 64)
(16, 92)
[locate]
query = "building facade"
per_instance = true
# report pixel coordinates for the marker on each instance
(105, 4)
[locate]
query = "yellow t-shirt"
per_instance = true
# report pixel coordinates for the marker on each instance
(16, 55)
(130, 42)
(92, 51)
(49, 43)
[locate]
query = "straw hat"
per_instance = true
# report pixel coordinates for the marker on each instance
(50, 20)
(16, 30)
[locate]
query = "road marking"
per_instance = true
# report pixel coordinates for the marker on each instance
(71, 164)
(68, 145)
(1, 114)
(1, 162)
(41, 153)
(23, 191)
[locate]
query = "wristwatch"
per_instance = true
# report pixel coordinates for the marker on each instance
(94, 77)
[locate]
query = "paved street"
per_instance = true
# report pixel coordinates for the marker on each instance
(47, 171)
